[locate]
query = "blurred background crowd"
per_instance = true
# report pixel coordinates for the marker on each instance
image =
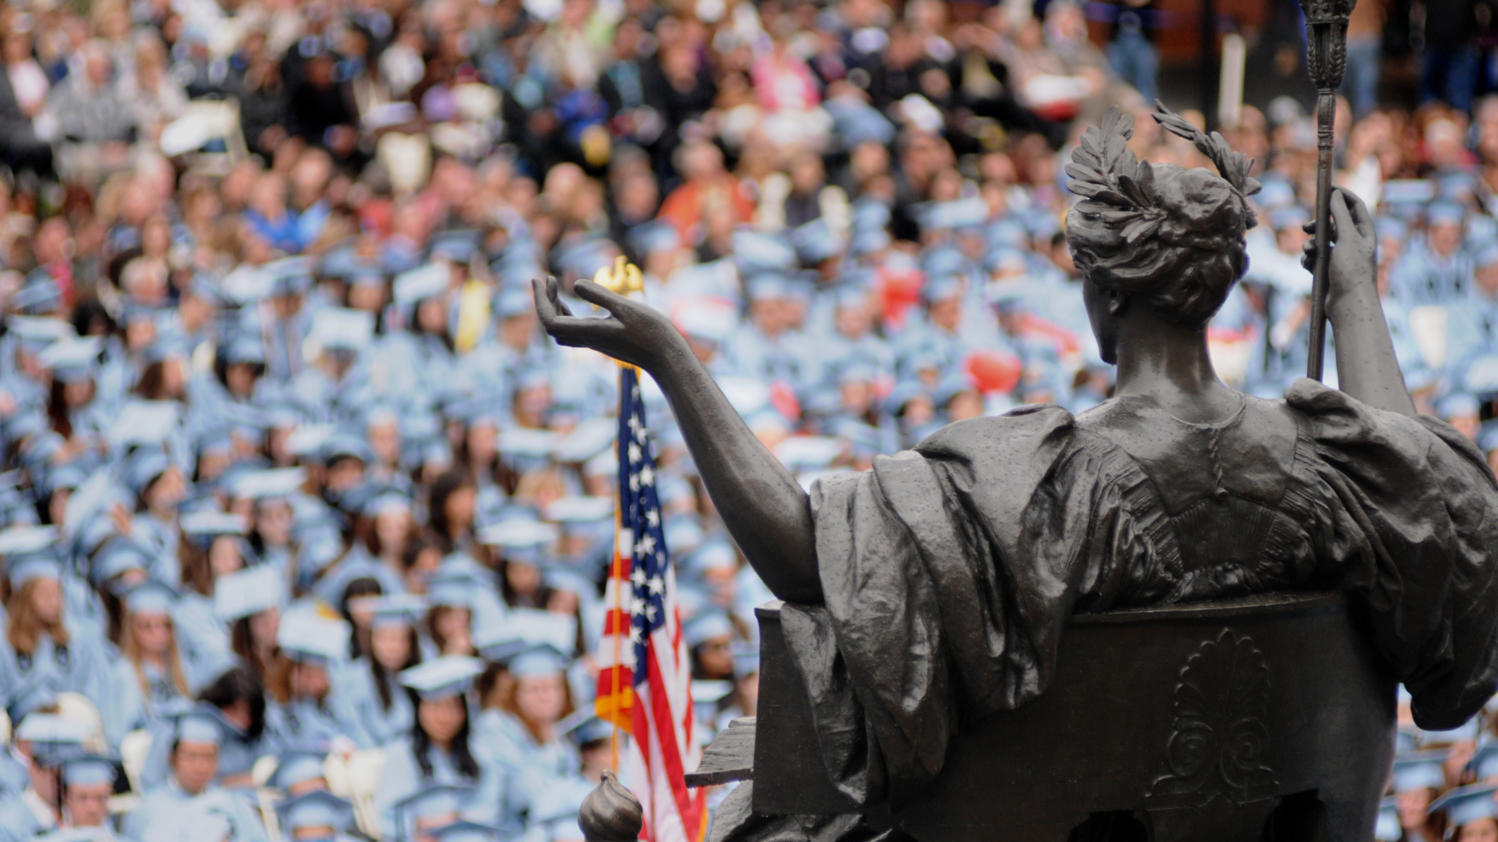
(304, 523)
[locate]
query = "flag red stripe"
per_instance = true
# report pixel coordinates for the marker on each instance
(666, 732)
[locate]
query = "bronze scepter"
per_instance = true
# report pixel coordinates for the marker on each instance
(1326, 60)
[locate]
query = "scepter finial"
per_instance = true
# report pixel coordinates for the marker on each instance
(1326, 41)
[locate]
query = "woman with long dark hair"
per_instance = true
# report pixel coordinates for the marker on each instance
(437, 750)
(451, 509)
(372, 702)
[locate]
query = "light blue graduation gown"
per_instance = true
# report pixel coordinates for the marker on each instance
(304, 722)
(358, 707)
(128, 708)
(535, 766)
(202, 639)
(162, 807)
(18, 820)
(401, 777)
(80, 667)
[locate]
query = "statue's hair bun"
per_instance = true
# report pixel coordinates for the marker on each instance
(1171, 235)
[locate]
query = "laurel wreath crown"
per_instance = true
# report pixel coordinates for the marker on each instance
(1121, 188)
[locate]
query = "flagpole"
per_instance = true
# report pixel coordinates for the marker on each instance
(623, 278)
(617, 569)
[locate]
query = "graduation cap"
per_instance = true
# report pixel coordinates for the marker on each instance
(456, 246)
(1274, 193)
(309, 439)
(117, 557)
(518, 533)
(91, 770)
(71, 359)
(579, 510)
(705, 625)
(414, 285)
(38, 332)
(53, 738)
(342, 329)
(715, 554)
(464, 831)
(758, 250)
(248, 591)
(1484, 763)
(244, 349)
(971, 212)
(289, 275)
(33, 568)
(816, 241)
(654, 236)
(41, 294)
(538, 661)
(144, 422)
(587, 440)
(451, 587)
(808, 452)
(27, 539)
(315, 809)
(1445, 212)
(309, 636)
(442, 677)
(297, 765)
(207, 524)
(150, 598)
(268, 484)
(567, 577)
(544, 628)
(525, 442)
(144, 468)
(584, 726)
(170, 344)
(396, 610)
(1420, 770)
(1467, 804)
(513, 302)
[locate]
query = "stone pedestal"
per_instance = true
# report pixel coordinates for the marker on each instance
(1202, 723)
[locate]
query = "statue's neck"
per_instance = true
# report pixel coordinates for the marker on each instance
(1169, 365)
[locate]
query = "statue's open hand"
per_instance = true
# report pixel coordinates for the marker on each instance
(632, 332)
(1354, 263)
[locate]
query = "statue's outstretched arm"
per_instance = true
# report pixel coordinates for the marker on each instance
(766, 511)
(1366, 366)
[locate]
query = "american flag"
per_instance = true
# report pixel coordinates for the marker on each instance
(645, 676)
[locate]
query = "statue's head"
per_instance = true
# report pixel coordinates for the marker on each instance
(1157, 235)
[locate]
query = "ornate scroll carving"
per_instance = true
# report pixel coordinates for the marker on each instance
(1220, 729)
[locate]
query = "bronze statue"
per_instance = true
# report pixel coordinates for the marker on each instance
(930, 592)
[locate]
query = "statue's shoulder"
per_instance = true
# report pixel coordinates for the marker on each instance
(1039, 427)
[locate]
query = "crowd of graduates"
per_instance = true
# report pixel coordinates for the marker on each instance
(304, 523)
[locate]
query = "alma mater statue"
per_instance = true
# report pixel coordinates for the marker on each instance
(931, 591)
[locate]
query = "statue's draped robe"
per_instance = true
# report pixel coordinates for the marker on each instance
(950, 571)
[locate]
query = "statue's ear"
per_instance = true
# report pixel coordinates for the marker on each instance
(1117, 302)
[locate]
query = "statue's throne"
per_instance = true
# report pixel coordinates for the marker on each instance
(1263, 719)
